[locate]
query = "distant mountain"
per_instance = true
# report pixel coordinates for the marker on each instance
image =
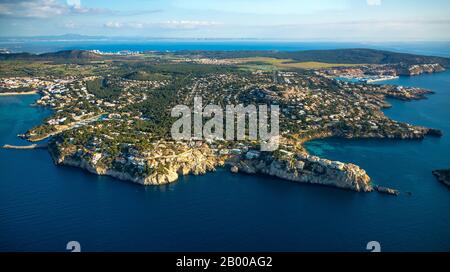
(60, 55)
(16, 56)
(346, 56)
(72, 37)
(71, 54)
(351, 56)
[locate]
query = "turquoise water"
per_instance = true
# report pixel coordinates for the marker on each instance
(43, 206)
(114, 45)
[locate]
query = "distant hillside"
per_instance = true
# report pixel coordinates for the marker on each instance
(349, 56)
(60, 55)
(71, 54)
(354, 56)
(16, 56)
(144, 75)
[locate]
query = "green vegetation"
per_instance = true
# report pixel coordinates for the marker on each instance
(29, 68)
(168, 68)
(146, 76)
(257, 62)
(157, 111)
(104, 88)
(356, 56)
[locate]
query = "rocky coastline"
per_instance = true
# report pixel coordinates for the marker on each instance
(419, 69)
(18, 93)
(162, 171)
(443, 176)
(293, 165)
(299, 167)
(25, 147)
(304, 168)
(418, 133)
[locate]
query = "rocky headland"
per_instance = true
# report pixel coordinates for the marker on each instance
(154, 171)
(296, 167)
(17, 93)
(418, 69)
(443, 176)
(304, 168)
(25, 147)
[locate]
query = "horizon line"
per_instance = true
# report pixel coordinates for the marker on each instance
(150, 38)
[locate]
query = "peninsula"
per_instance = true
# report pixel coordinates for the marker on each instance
(111, 112)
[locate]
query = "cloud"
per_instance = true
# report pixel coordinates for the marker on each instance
(70, 25)
(374, 2)
(74, 3)
(172, 24)
(186, 24)
(405, 22)
(116, 24)
(113, 24)
(136, 25)
(43, 8)
(137, 12)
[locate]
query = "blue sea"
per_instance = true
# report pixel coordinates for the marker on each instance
(115, 45)
(43, 206)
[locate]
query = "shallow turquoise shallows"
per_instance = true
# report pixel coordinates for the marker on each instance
(43, 207)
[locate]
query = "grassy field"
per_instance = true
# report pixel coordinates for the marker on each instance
(288, 63)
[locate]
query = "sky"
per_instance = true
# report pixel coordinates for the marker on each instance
(302, 20)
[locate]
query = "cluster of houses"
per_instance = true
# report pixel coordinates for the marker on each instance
(22, 82)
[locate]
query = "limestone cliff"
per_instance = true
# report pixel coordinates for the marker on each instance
(305, 168)
(418, 69)
(158, 171)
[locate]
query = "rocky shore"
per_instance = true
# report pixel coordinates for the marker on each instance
(168, 161)
(25, 147)
(304, 168)
(443, 176)
(386, 190)
(158, 172)
(17, 93)
(418, 69)
(296, 166)
(415, 133)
